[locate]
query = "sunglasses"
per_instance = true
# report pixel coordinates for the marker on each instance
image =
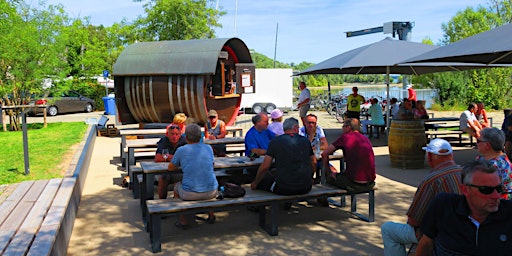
(486, 190)
(172, 127)
(212, 117)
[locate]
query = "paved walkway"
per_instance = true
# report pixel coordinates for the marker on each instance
(109, 221)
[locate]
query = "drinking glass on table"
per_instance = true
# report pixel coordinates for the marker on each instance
(165, 154)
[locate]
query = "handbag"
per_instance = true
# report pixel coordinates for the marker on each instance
(231, 190)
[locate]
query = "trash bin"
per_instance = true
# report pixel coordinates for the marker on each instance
(110, 105)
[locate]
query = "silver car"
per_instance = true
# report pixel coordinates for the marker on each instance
(68, 102)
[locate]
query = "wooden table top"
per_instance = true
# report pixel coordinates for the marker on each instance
(221, 163)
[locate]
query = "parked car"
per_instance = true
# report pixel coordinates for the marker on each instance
(68, 102)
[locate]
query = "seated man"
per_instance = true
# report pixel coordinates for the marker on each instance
(405, 111)
(294, 161)
(443, 178)
(166, 147)
(474, 223)
(377, 118)
(359, 158)
(199, 181)
(314, 133)
(258, 137)
(394, 107)
(316, 136)
(468, 121)
(216, 129)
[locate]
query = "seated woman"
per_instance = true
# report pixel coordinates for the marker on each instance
(199, 181)
(420, 112)
(179, 120)
(481, 115)
(277, 122)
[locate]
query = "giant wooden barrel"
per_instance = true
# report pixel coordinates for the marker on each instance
(405, 141)
(156, 80)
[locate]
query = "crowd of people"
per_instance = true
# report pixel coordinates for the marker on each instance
(456, 209)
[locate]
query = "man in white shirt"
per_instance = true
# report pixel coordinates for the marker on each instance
(304, 102)
(469, 123)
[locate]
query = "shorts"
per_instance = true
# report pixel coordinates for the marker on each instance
(193, 196)
(304, 110)
(343, 182)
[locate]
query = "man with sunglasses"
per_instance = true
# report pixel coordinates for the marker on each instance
(445, 177)
(475, 223)
(170, 142)
(216, 129)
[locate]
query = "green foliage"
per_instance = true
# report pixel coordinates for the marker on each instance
(490, 86)
(178, 20)
(47, 148)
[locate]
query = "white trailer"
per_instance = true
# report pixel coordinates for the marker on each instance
(273, 89)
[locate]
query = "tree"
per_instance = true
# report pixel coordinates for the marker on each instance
(36, 50)
(178, 20)
(491, 86)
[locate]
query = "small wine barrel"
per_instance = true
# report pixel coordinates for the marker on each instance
(405, 141)
(156, 80)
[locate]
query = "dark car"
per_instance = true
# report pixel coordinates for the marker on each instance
(68, 102)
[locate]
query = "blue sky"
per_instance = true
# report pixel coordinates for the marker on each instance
(309, 30)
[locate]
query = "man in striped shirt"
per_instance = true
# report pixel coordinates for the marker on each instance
(444, 178)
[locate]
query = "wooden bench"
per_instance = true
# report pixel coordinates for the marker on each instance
(32, 215)
(381, 129)
(257, 198)
(434, 134)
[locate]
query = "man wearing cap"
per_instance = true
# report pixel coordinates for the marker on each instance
(445, 177)
(304, 101)
(412, 93)
(216, 129)
(277, 122)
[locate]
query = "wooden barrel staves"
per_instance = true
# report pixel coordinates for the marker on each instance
(405, 141)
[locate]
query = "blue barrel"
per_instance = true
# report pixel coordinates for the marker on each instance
(110, 105)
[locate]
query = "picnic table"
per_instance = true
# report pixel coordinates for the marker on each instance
(150, 169)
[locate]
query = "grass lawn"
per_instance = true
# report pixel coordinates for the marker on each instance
(48, 150)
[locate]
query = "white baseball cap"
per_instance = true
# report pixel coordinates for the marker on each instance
(439, 147)
(408, 86)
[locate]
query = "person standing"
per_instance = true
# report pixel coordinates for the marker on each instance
(354, 104)
(294, 160)
(359, 158)
(490, 146)
(411, 94)
(304, 101)
(166, 147)
(474, 223)
(277, 122)
(377, 118)
(199, 181)
(468, 121)
(443, 178)
(216, 129)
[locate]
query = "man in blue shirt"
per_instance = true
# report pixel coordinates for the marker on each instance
(258, 137)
